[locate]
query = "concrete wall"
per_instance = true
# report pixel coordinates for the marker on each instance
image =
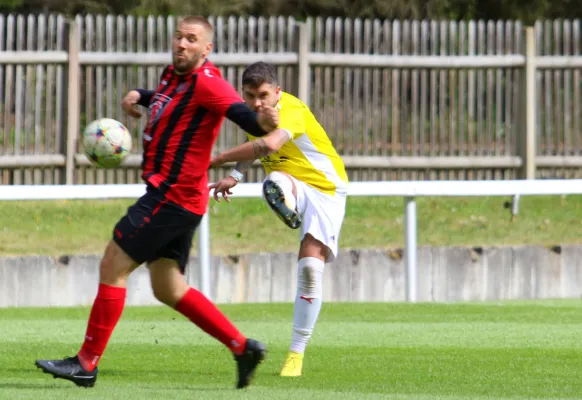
(445, 274)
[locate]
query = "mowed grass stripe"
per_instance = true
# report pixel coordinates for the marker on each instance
(356, 369)
(524, 355)
(329, 334)
(562, 311)
(248, 226)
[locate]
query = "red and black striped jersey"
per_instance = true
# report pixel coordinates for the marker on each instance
(185, 115)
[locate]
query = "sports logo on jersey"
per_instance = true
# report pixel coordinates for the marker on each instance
(156, 107)
(182, 87)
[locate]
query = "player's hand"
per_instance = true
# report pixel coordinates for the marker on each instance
(223, 187)
(129, 102)
(268, 118)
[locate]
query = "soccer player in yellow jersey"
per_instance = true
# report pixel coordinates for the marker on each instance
(306, 187)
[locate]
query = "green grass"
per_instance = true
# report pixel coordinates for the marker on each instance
(359, 351)
(246, 225)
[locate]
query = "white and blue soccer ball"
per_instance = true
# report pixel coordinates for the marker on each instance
(106, 142)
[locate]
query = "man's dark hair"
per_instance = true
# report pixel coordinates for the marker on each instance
(258, 73)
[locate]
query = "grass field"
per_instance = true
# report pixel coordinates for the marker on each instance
(359, 351)
(246, 225)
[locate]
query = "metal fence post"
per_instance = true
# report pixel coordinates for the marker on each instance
(73, 107)
(527, 130)
(204, 254)
(411, 249)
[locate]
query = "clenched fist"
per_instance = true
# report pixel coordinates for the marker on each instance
(129, 102)
(268, 118)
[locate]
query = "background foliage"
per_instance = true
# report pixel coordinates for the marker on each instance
(525, 10)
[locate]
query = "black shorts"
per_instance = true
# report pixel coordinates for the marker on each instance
(156, 228)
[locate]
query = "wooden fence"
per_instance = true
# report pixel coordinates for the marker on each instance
(400, 99)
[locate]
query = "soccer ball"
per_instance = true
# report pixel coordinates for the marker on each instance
(107, 143)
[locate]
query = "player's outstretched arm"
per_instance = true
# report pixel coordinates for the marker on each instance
(241, 168)
(223, 186)
(255, 149)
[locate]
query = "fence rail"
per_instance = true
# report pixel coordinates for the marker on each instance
(399, 99)
(410, 191)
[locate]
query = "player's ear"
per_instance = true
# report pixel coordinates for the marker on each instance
(207, 49)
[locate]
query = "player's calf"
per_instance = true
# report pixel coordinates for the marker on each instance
(279, 193)
(308, 302)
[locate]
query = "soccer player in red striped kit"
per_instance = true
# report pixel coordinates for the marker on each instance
(185, 115)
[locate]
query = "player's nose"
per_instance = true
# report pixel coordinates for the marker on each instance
(181, 44)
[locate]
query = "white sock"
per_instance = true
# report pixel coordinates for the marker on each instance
(307, 301)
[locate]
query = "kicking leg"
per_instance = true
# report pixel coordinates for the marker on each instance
(107, 308)
(170, 288)
(308, 300)
(280, 193)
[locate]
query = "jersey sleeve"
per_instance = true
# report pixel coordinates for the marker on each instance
(214, 93)
(292, 121)
(218, 96)
(145, 97)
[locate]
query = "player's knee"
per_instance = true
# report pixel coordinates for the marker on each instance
(310, 277)
(166, 293)
(115, 266)
(163, 294)
(310, 246)
(168, 283)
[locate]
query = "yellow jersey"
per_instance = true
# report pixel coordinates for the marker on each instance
(309, 155)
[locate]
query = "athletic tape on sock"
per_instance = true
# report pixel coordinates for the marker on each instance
(310, 277)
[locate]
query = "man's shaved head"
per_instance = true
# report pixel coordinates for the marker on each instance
(199, 20)
(192, 43)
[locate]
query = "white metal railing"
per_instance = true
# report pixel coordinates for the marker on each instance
(409, 190)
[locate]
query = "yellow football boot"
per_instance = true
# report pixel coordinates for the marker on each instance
(293, 364)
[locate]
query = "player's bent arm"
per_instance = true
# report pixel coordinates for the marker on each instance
(245, 118)
(256, 148)
(145, 96)
(276, 139)
(243, 166)
(218, 96)
(240, 170)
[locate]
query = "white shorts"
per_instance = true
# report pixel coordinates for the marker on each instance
(322, 214)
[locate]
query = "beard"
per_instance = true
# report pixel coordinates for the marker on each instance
(186, 64)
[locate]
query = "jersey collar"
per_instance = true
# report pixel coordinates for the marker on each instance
(278, 104)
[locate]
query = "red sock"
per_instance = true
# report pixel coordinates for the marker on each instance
(198, 309)
(105, 313)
